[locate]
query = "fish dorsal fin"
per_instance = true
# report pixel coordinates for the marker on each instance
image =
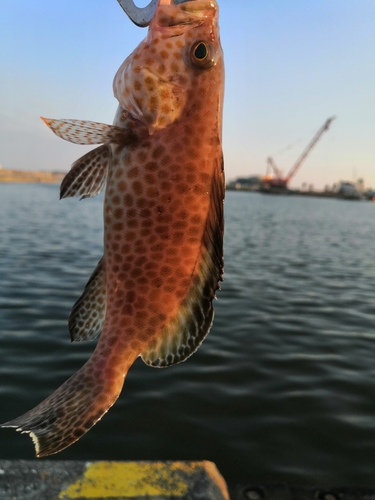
(88, 313)
(87, 132)
(88, 174)
(185, 333)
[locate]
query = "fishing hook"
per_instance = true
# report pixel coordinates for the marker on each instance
(141, 16)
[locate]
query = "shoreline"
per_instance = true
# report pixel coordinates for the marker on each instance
(30, 176)
(296, 192)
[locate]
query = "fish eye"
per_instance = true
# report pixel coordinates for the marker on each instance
(203, 55)
(200, 51)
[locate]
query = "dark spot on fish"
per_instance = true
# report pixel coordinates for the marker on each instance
(128, 200)
(145, 213)
(161, 69)
(121, 186)
(132, 212)
(153, 103)
(142, 203)
(152, 192)
(147, 223)
(118, 226)
(175, 67)
(131, 297)
(117, 257)
(166, 160)
(136, 272)
(137, 85)
(150, 84)
(137, 187)
(151, 166)
(133, 172)
(150, 179)
(118, 213)
(130, 235)
(166, 186)
(158, 152)
(142, 156)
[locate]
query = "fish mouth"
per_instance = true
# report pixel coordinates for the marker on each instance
(190, 5)
(192, 12)
(198, 6)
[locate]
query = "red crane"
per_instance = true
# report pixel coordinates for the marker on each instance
(277, 180)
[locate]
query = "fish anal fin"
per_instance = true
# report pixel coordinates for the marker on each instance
(88, 313)
(185, 333)
(88, 132)
(181, 338)
(88, 174)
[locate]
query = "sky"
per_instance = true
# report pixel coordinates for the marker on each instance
(290, 65)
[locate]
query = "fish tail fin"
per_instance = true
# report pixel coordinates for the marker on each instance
(78, 404)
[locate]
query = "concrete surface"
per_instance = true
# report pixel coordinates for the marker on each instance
(66, 480)
(286, 492)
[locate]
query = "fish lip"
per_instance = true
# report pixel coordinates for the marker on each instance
(190, 13)
(198, 6)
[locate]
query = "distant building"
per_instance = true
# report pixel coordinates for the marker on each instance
(251, 183)
(370, 195)
(348, 190)
(360, 185)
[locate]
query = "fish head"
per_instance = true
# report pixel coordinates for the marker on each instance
(181, 46)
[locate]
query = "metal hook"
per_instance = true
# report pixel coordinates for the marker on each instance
(141, 16)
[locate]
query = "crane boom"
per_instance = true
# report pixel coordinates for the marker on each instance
(271, 163)
(278, 183)
(308, 148)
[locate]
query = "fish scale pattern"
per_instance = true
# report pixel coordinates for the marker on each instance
(152, 292)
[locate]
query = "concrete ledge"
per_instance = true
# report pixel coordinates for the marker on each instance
(66, 480)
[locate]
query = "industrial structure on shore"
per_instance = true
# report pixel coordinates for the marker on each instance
(274, 181)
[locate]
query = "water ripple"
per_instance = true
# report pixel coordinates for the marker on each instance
(282, 388)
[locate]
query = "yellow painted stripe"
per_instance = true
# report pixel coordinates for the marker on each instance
(132, 479)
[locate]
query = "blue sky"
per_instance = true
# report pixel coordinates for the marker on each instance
(289, 66)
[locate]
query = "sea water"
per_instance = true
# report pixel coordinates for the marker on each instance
(283, 387)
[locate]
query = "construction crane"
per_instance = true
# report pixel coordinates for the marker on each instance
(276, 180)
(273, 179)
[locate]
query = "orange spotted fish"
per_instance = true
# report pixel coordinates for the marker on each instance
(151, 293)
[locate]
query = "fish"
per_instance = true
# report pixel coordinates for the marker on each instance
(161, 162)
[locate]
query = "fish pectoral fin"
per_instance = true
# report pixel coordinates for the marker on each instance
(88, 132)
(187, 330)
(88, 174)
(88, 313)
